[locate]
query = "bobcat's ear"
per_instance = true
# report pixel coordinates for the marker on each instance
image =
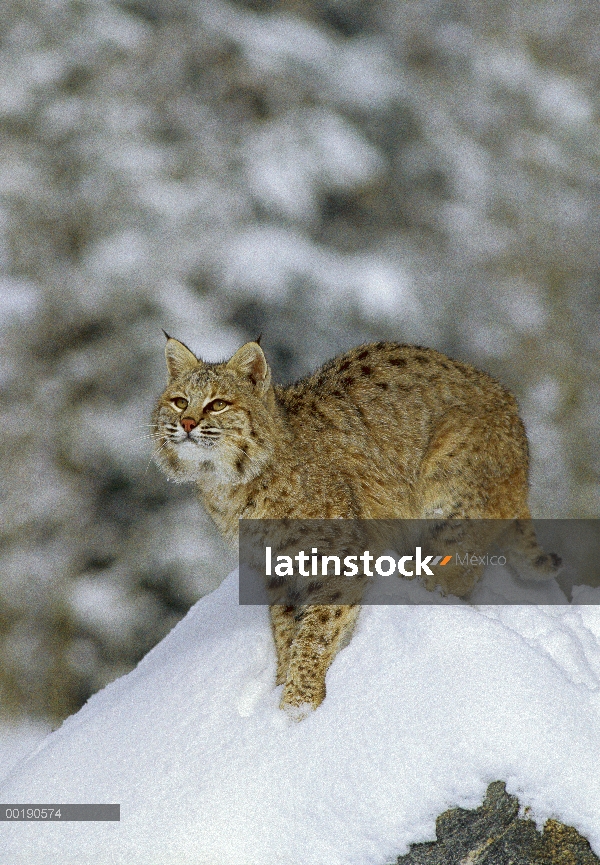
(250, 362)
(179, 358)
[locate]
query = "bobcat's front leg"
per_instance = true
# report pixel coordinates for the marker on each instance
(284, 628)
(321, 632)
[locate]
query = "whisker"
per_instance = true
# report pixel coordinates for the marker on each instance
(238, 446)
(157, 451)
(128, 431)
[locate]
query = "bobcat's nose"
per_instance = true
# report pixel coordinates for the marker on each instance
(188, 423)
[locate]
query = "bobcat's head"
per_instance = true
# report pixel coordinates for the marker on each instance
(214, 418)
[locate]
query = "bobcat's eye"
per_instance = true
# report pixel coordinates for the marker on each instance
(217, 405)
(179, 402)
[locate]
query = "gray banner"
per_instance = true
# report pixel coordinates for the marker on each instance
(297, 563)
(59, 813)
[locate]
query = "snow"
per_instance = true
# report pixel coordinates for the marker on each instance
(18, 740)
(19, 299)
(564, 102)
(290, 161)
(364, 77)
(267, 262)
(424, 708)
(101, 604)
(524, 308)
(119, 255)
(271, 44)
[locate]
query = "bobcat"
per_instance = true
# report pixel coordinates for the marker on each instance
(383, 431)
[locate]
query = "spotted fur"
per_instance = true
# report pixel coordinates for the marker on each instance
(383, 431)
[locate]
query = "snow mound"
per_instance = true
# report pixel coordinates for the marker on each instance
(424, 708)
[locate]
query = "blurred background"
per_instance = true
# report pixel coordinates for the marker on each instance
(325, 172)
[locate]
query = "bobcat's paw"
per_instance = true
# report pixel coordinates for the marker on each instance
(297, 713)
(545, 567)
(298, 703)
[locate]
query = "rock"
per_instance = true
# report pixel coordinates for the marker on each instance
(494, 834)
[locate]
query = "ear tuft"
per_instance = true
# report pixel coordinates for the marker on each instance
(250, 362)
(179, 358)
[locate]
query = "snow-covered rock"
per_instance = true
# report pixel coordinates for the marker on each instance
(424, 708)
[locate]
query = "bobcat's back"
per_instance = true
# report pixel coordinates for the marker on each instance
(395, 430)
